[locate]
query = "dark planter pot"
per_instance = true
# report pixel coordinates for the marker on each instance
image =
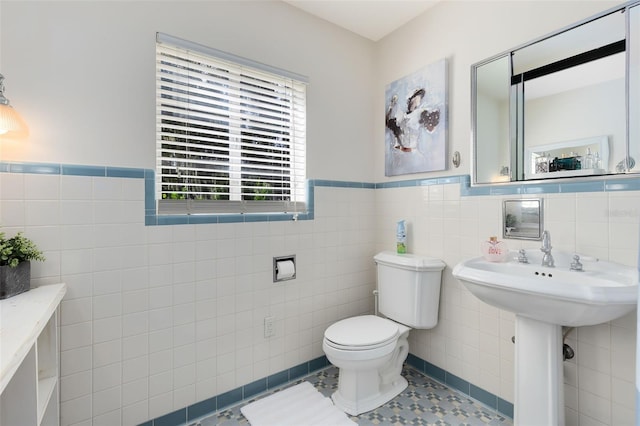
(15, 280)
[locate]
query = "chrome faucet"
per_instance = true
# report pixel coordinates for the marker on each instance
(547, 259)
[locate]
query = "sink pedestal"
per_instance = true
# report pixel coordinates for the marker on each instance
(539, 377)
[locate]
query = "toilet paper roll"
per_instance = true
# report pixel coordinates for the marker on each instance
(286, 270)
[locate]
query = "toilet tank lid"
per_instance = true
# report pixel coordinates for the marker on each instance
(413, 262)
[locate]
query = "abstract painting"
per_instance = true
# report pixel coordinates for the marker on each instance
(416, 122)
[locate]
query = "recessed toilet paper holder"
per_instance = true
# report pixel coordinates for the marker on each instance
(284, 268)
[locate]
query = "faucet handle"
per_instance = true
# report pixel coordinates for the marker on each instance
(576, 265)
(522, 256)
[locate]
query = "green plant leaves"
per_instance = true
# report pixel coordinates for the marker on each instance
(18, 249)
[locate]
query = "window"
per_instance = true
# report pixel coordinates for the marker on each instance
(231, 133)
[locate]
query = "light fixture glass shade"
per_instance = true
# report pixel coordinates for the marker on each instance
(11, 123)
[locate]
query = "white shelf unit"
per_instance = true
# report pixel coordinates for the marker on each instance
(29, 357)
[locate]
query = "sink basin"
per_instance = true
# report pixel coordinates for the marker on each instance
(603, 291)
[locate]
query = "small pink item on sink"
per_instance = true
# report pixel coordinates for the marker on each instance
(494, 250)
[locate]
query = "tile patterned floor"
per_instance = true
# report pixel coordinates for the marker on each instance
(423, 402)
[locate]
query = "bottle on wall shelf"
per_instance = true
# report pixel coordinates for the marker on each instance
(494, 250)
(588, 160)
(542, 163)
(597, 162)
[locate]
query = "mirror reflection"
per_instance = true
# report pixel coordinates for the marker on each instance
(557, 107)
(492, 120)
(583, 37)
(578, 103)
(522, 219)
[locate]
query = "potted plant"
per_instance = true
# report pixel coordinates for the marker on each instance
(16, 254)
(510, 222)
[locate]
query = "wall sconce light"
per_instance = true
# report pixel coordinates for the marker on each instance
(12, 125)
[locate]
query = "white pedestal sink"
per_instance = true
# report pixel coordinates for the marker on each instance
(545, 299)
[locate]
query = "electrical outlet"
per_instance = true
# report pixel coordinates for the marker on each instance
(269, 327)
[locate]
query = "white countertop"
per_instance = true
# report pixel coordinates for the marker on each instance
(22, 319)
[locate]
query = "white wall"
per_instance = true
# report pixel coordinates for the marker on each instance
(82, 74)
(473, 340)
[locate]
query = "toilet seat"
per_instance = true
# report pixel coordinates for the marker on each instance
(362, 333)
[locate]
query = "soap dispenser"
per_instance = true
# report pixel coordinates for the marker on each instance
(494, 250)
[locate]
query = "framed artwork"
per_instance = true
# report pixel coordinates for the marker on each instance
(416, 122)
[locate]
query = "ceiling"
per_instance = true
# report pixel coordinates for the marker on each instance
(372, 19)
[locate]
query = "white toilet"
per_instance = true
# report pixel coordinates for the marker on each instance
(370, 350)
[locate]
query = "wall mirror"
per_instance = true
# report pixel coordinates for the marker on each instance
(559, 106)
(522, 219)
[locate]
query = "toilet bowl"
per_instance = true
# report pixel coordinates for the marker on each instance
(370, 350)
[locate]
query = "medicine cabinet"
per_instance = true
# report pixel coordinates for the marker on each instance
(559, 106)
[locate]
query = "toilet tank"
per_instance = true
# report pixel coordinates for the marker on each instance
(409, 288)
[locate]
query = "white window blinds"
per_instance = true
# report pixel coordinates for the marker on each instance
(231, 133)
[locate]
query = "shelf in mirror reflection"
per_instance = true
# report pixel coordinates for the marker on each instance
(566, 173)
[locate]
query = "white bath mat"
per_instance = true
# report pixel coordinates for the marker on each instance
(299, 405)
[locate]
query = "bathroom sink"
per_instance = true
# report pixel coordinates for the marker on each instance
(544, 300)
(602, 292)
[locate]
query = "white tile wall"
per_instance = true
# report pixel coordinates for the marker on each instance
(473, 340)
(158, 318)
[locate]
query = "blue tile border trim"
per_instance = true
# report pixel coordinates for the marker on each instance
(612, 184)
(35, 168)
(421, 182)
(487, 398)
(234, 396)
